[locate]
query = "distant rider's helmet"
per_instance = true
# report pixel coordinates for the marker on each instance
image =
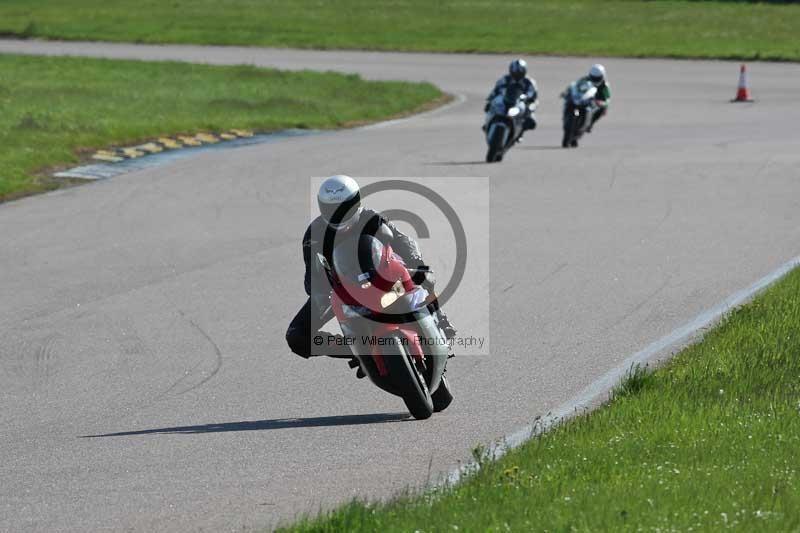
(518, 69)
(597, 74)
(339, 200)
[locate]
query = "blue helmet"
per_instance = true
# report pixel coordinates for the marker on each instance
(518, 69)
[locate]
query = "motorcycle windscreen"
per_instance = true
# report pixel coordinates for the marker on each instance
(356, 261)
(582, 92)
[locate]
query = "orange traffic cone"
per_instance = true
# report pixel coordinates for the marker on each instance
(742, 93)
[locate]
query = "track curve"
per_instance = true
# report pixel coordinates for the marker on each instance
(143, 375)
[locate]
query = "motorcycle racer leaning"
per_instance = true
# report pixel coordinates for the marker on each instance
(339, 200)
(597, 76)
(517, 74)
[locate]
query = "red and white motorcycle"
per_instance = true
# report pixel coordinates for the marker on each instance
(388, 322)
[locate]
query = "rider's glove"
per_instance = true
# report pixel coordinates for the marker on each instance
(424, 277)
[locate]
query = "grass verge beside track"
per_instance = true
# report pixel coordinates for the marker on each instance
(54, 110)
(666, 28)
(708, 442)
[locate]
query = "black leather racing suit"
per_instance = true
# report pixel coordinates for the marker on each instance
(528, 87)
(308, 321)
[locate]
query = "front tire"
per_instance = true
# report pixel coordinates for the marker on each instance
(443, 397)
(570, 121)
(569, 131)
(408, 379)
(495, 152)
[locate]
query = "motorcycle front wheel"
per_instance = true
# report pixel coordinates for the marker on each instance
(495, 140)
(443, 396)
(569, 128)
(407, 378)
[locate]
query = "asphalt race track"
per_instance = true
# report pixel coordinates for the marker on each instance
(144, 379)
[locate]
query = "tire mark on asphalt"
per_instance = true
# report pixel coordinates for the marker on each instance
(614, 171)
(188, 374)
(29, 362)
(555, 271)
(168, 275)
(546, 277)
(667, 213)
(46, 359)
(641, 304)
(763, 168)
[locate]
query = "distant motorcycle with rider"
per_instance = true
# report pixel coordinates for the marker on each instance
(510, 107)
(586, 100)
(509, 110)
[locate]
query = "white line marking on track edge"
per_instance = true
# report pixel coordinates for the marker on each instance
(607, 381)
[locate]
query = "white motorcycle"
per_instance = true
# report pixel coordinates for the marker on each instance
(579, 107)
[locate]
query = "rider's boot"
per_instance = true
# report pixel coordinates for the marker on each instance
(355, 364)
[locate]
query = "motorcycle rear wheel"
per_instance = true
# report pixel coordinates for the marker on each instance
(408, 379)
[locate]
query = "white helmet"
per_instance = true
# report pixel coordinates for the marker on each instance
(597, 73)
(339, 200)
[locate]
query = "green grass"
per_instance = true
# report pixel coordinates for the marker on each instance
(672, 28)
(55, 109)
(708, 442)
